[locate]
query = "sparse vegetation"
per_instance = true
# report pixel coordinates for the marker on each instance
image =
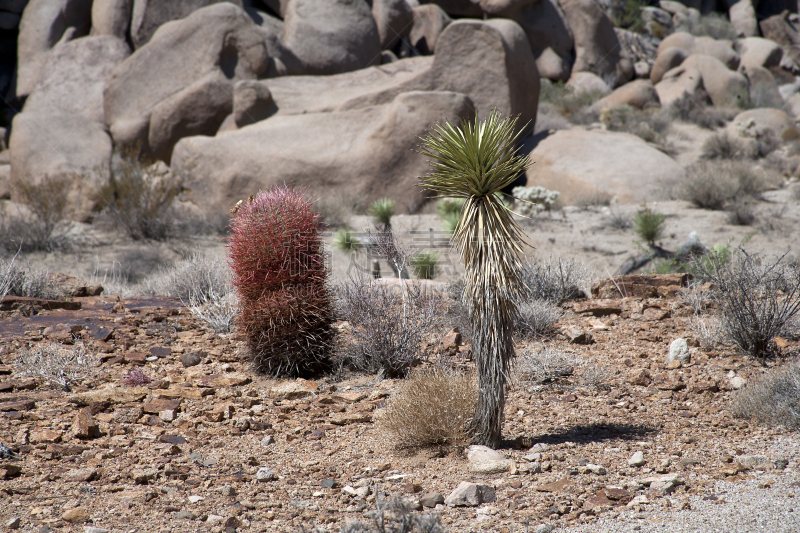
(432, 407)
(760, 300)
(708, 331)
(696, 111)
(714, 185)
(280, 275)
(537, 318)
(382, 210)
(554, 280)
(566, 100)
(649, 225)
(392, 326)
(135, 378)
(345, 240)
(722, 145)
(139, 197)
(42, 222)
(545, 365)
(59, 365)
(533, 200)
(20, 278)
(714, 25)
(774, 399)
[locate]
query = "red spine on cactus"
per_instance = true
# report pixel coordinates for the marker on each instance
(279, 271)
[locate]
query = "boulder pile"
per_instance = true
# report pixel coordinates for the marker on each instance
(239, 95)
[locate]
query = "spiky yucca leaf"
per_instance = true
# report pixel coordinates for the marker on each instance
(474, 162)
(382, 210)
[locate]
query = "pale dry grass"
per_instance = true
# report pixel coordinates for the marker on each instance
(56, 364)
(774, 399)
(432, 407)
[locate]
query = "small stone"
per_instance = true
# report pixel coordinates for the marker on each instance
(673, 365)
(143, 477)
(431, 499)
(185, 515)
(190, 359)
(92, 529)
(78, 515)
(84, 426)
(576, 335)
(14, 523)
(637, 459)
(359, 493)
(328, 483)
(167, 415)
(227, 490)
(543, 528)
(265, 474)
(484, 460)
(266, 441)
(596, 469)
(81, 475)
(539, 447)
(737, 382)
(195, 498)
(214, 519)
(755, 462)
(469, 494)
(679, 351)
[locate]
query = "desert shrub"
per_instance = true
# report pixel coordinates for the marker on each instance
(432, 407)
(545, 365)
(696, 111)
(346, 240)
(723, 146)
(446, 206)
(393, 515)
(618, 219)
(628, 14)
(740, 213)
(651, 125)
(549, 119)
(774, 399)
(708, 330)
(199, 275)
(56, 364)
(450, 221)
(534, 200)
(382, 210)
(714, 185)
(280, 276)
(391, 325)
(22, 279)
(649, 225)
(43, 222)
(423, 264)
(554, 280)
(136, 378)
(537, 318)
(760, 300)
(139, 195)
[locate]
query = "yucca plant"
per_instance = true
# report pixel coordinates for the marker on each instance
(382, 210)
(649, 225)
(424, 264)
(474, 162)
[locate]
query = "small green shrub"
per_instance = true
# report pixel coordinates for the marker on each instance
(448, 206)
(424, 264)
(714, 25)
(382, 210)
(774, 399)
(566, 100)
(432, 407)
(23, 279)
(649, 225)
(450, 222)
(345, 240)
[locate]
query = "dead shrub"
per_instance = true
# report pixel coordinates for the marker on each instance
(714, 185)
(593, 199)
(708, 330)
(537, 318)
(139, 197)
(697, 111)
(724, 146)
(55, 363)
(43, 221)
(774, 399)
(554, 280)
(22, 279)
(392, 326)
(432, 407)
(545, 365)
(394, 515)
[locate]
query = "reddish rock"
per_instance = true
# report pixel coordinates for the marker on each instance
(156, 405)
(84, 425)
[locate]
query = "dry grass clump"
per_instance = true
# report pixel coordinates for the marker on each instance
(724, 146)
(22, 279)
(697, 111)
(652, 125)
(708, 330)
(714, 185)
(774, 399)
(432, 407)
(55, 363)
(547, 365)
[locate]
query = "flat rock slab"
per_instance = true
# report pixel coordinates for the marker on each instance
(112, 395)
(156, 405)
(223, 380)
(560, 485)
(469, 494)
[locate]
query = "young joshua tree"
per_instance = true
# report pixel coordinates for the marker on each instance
(474, 162)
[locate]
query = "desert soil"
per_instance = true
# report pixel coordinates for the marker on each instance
(184, 452)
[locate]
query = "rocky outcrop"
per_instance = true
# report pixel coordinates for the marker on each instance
(764, 121)
(550, 37)
(149, 15)
(158, 95)
(44, 24)
(724, 87)
(331, 36)
(597, 48)
(489, 61)
(637, 93)
(394, 20)
(429, 21)
(367, 151)
(112, 17)
(74, 76)
(578, 162)
(690, 44)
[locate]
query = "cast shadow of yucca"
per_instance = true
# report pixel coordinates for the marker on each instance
(586, 433)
